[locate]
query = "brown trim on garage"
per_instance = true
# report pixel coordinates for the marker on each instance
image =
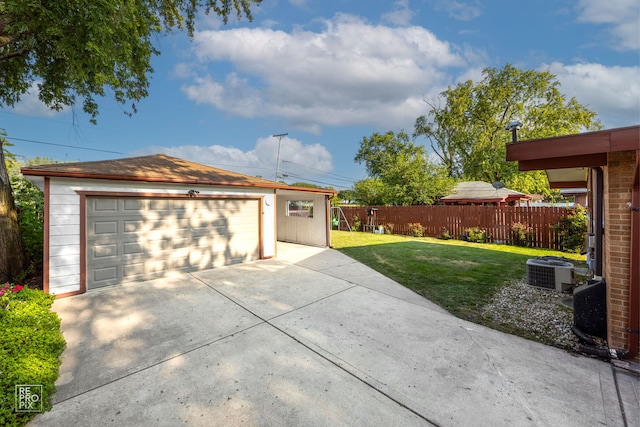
(45, 249)
(83, 225)
(275, 223)
(327, 204)
(83, 243)
(163, 195)
(68, 294)
(260, 227)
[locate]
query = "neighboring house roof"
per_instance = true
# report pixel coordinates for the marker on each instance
(158, 168)
(482, 192)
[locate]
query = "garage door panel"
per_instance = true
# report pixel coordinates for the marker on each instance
(104, 251)
(132, 248)
(133, 271)
(159, 205)
(105, 227)
(136, 239)
(134, 205)
(132, 225)
(105, 205)
(180, 242)
(105, 274)
(159, 245)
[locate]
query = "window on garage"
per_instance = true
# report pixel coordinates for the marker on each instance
(300, 208)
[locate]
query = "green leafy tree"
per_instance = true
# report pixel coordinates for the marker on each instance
(533, 182)
(29, 202)
(348, 195)
(72, 52)
(466, 125)
(371, 192)
(403, 169)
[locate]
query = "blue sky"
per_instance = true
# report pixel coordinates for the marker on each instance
(329, 72)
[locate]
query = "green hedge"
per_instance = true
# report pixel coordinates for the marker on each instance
(30, 345)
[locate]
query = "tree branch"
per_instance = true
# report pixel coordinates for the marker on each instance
(19, 52)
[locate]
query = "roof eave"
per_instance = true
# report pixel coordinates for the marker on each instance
(561, 149)
(84, 175)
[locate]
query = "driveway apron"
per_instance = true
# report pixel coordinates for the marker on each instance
(312, 338)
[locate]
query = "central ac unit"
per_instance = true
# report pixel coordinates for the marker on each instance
(550, 273)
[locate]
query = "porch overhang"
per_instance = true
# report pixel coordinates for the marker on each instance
(567, 159)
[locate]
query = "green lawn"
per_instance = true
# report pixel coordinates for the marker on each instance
(459, 276)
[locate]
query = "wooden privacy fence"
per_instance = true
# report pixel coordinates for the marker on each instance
(496, 220)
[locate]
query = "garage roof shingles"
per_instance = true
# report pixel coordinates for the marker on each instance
(154, 168)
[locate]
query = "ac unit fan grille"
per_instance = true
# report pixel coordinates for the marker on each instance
(541, 276)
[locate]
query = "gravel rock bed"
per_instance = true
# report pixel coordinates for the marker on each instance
(534, 313)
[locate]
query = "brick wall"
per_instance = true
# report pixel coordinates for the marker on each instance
(617, 243)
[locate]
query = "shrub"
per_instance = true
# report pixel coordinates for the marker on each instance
(388, 228)
(416, 229)
(357, 224)
(30, 346)
(570, 230)
(29, 202)
(521, 234)
(476, 235)
(445, 234)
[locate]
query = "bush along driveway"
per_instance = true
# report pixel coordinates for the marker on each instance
(30, 345)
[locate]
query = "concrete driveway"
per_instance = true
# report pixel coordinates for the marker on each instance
(312, 338)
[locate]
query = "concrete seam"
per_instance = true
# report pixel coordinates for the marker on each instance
(365, 287)
(318, 353)
(620, 401)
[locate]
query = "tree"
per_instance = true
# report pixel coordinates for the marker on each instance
(466, 126)
(29, 202)
(347, 195)
(405, 174)
(13, 259)
(71, 51)
(371, 192)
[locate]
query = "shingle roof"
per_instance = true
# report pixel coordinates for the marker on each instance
(481, 191)
(154, 168)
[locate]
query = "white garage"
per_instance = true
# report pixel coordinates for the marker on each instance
(116, 221)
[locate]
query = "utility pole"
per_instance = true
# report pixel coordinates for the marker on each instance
(279, 136)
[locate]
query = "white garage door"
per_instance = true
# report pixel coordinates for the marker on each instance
(130, 239)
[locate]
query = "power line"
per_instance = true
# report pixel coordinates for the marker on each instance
(291, 175)
(344, 178)
(62, 145)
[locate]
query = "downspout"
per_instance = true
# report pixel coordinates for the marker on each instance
(633, 331)
(599, 219)
(327, 203)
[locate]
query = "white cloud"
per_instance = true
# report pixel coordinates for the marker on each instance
(463, 11)
(623, 16)
(30, 105)
(612, 92)
(350, 73)
(295, 157)
(400, 15)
